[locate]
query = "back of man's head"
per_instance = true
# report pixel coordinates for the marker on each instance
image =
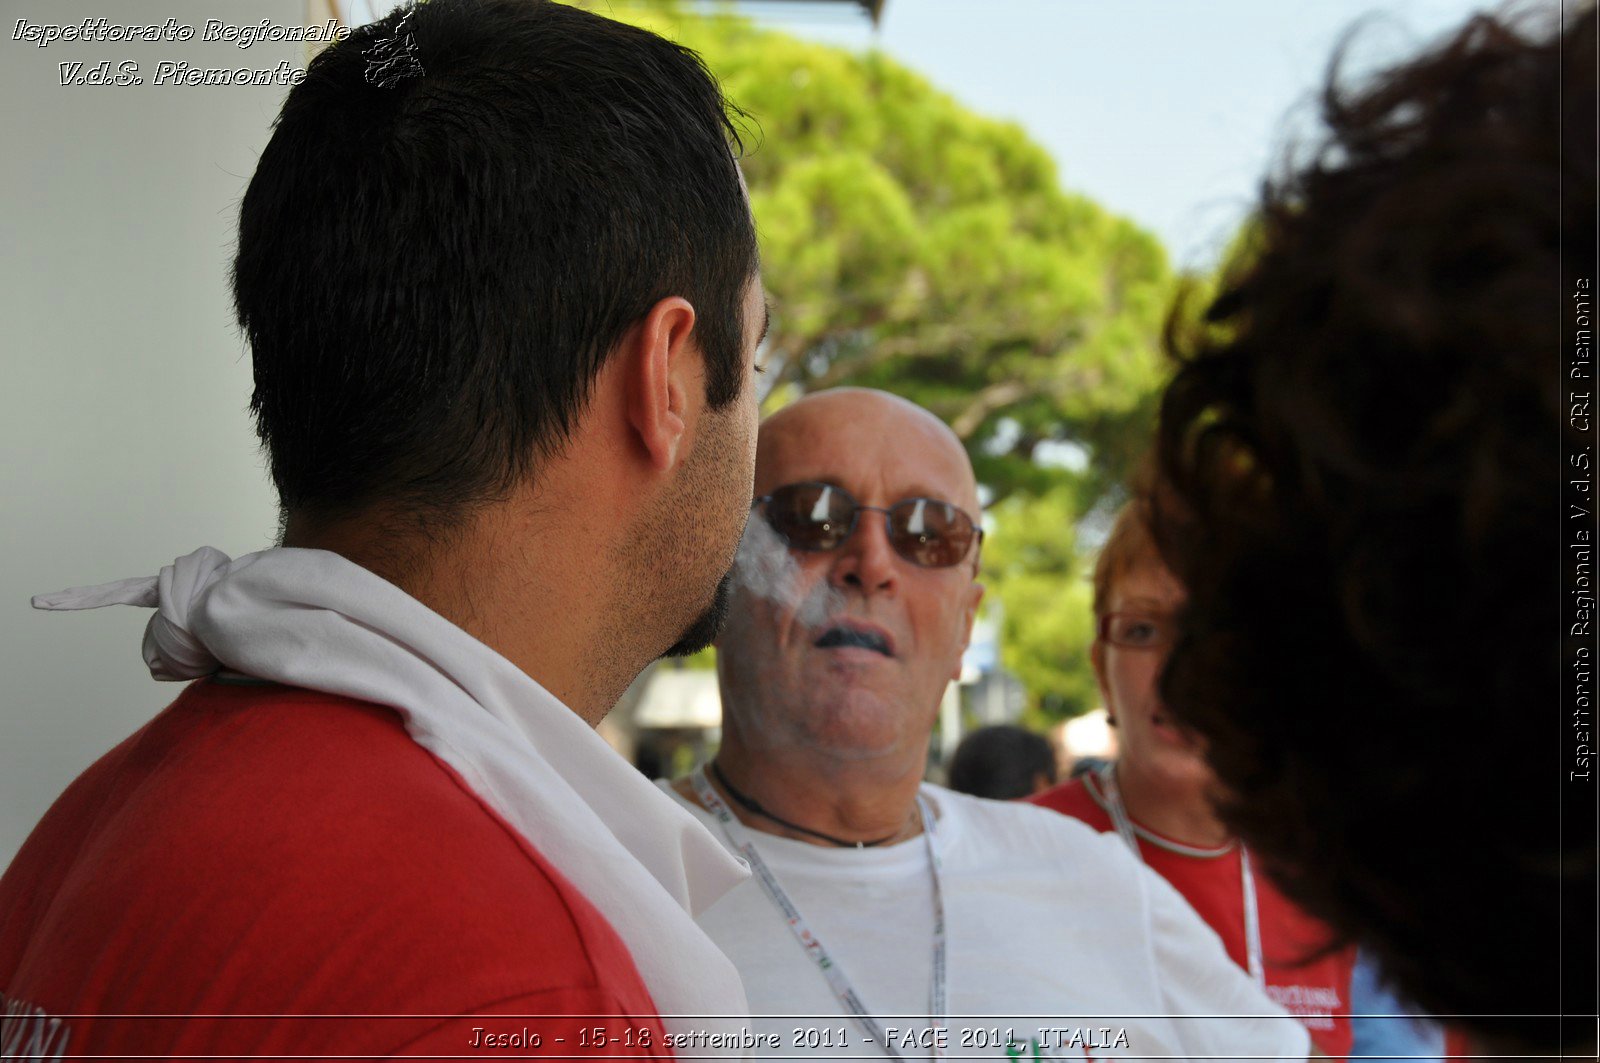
(463, 208)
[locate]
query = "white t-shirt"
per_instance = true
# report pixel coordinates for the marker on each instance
(1060, 946)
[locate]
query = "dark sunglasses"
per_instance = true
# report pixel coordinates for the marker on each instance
(924, 531)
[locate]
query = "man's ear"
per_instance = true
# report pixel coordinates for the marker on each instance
(974, 598)
(666, 381)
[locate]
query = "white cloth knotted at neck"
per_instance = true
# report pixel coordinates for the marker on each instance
(309, 618)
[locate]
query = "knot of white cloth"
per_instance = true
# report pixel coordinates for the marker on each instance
(172, 651)
(313, 620)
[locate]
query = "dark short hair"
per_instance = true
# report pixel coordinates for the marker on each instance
(1001, 761)
(435, 262)
(1359, 464)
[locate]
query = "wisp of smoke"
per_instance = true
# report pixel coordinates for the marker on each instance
(766, 568)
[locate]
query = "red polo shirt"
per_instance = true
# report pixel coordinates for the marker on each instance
(1317, 993)
(264, 871)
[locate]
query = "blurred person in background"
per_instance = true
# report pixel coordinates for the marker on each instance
(1003, 762)
(1155, 796)
(1361, 460)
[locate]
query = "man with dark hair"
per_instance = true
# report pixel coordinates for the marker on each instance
(1362, 459)
(499, 279)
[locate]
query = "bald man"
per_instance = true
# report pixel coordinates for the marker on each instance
(888, 916)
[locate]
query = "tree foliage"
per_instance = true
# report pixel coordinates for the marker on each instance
(913, 245)
(1046, 598)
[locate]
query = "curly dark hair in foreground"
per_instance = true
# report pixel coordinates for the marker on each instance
(1360, 487)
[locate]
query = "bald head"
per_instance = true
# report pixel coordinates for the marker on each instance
(842, 653)
(882, 428)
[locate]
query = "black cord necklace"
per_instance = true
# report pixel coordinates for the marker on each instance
(750, 804)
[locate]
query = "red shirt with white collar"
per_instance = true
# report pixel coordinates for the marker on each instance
(1211, 881)
(265, 871)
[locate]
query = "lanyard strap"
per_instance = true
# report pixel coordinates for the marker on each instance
(1252, 919)
(1252, 915)
(838, 981)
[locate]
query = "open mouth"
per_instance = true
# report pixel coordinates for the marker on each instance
(842, 635)
(1168, 729)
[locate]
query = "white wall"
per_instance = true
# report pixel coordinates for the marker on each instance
(124, 388)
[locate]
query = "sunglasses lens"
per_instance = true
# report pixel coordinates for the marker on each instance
(811, 516)
(930, 533)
